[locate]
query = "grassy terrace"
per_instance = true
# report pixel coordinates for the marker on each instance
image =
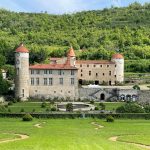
(29, 106)
(75, 134)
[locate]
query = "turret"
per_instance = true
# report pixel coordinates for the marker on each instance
(22, 72)
(119, 68)
(71, 55)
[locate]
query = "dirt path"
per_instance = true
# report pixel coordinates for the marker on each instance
(98, 126)
(114, 139)
(21, 137)
(38, 125)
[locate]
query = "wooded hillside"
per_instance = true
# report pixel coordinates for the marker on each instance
(93, 34)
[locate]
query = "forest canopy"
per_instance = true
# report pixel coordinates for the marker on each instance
(94, 34)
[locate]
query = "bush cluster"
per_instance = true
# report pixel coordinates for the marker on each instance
(27, 117)
(110, 119)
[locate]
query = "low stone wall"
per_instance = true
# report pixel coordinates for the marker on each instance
(144, 96)
(94, 93)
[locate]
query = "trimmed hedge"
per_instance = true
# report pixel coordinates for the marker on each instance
(80, 115)
(27, 117)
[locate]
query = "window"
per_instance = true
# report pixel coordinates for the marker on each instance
(103, 74)
(22, 92)
(37, 71)
(110, 73)
(50, 81)
(81, 70)
(50, 71)
(32, 71)
(115, 76)
(115, 65)
(87, 65)
(101, 65)
(89, 73)
(72, 72)
(96, 74)
(81, 75)
(107, 66)
(61, 81)
(37, 81)
(45, 71)
(80, 65)
(45, 81)
(59, 72)
(32, 81)
(94, 65)
(72, 81)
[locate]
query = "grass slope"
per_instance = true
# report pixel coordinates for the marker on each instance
(77, 134)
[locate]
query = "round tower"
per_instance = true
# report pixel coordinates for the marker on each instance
(119, 67)
(22, 72)
(71, 55)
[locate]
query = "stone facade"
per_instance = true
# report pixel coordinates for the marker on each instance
(108, 94)
(53, 83)
(60, 77)
(108, 72)
(45, 80)
(22, 75)
(100, 71)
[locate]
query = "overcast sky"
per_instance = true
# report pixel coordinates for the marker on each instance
(62, 6)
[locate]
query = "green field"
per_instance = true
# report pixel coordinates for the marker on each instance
(29, 106)
(75, 134)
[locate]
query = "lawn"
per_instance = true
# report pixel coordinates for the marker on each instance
(75, 134)
(30, 106)
(111, 105)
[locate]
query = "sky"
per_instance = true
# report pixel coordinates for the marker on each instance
(62, 6)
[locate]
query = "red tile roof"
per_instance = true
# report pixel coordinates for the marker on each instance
(54, 58)
(53, 66)
(94, 62)
(117, 56)
(71, 52)
(22, 49)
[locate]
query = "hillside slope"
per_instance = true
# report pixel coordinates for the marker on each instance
(99, 33)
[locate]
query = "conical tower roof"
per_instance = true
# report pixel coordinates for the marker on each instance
(71, 52)
(22, 49)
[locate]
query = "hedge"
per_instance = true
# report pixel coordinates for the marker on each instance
(80, 115)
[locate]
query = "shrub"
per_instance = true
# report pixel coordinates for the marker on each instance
(96, 108)
(9, 98)
(53, 109)
(43, 105)
(147, 108)
(102, 105)
(47, 110)
(22, 110)
(3, 109)
(9, 110)
(27, 117)
(69, 107)
(33, 110)
(130, 108)
(136, 87)
(110, 119)
(14, 101)
(10, 103)
(92, 102)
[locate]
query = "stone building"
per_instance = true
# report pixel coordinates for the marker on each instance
(109, 72)
(45, 80)
(60, 77)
